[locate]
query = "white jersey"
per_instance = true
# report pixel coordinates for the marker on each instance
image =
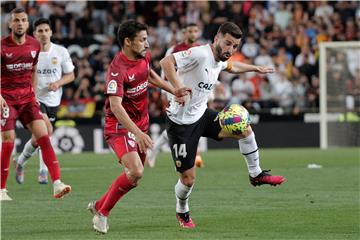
(198, 70)
(50, 68)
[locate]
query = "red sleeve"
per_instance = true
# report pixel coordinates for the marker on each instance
(114, 81)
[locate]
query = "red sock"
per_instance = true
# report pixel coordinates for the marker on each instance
(6, 151)
(117, 189)
(49, 157)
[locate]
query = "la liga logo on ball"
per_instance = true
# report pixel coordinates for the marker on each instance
(234, 119)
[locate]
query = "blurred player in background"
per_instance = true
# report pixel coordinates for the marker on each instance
(190, 35)
(126, 115)
(19, 56)
(198, 68)
(54, 70)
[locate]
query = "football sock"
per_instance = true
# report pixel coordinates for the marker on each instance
(27, 152)
(249, 149)
(182, 193)
(42, 165)
(6, 151)
(117, 190)
(49, 157)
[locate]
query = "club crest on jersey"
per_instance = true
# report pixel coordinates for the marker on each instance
(131, 78)
(33, 54)
(186, 53)
(54, 60)
(112, 87)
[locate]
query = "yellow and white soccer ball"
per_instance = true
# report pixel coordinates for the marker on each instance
(234, 119)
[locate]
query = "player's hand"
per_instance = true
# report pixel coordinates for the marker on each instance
(144, 141)
(3, 104)
(184, 91)
(263, 69)
(54, 86)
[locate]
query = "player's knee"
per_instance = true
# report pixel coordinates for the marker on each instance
(188, 180)
(8, 137)
(135, 175)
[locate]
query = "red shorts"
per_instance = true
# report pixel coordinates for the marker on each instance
(26, 113)
(124, 143)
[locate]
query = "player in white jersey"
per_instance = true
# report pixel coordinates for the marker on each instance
(190, 37)
(54, 69)
(199, 69)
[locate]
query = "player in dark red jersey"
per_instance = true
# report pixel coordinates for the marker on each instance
(126, 115)
(19, 56)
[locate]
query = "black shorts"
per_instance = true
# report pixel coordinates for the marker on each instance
(49, 111)
(184, 139)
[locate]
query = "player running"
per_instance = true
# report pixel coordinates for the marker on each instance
(198, 68)
(19, 56)
(126, 115)
(54, 70)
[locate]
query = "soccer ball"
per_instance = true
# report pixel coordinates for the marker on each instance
(234, 119)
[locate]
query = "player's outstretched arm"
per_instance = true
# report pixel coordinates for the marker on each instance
(155, 79)
(238, 67)
(143, 140)
(3, 104)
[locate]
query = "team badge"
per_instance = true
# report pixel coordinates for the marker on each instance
(131, 143)
(186, 53)
(112, 87)
(178, 163)
(131, 78)
(54, 60)
(33, 54)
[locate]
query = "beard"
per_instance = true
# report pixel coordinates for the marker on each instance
(19, 34)
(220, 54)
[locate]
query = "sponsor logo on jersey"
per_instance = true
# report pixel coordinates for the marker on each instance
(131, 78)
(46, 71)
(186, 53)
(54, 60)
(138, 89)
(19, 66)
(33, 54)
(112, 87)
(207, 86)
(114, 74)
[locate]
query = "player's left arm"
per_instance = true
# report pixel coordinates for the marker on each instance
(239, 67)
(65, 79)
(34, 78)
(155, 79)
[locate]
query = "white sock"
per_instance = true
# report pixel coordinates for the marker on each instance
(27, 152)
(182, 193)
(57, 182)
(249, 149)
(42, 165)
(159, 142)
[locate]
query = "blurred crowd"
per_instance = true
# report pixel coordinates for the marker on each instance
(282, 34)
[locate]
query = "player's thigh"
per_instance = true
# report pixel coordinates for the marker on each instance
(8, 119)
(123, 144)
(211, 125)
(29, 113)
(183, 142)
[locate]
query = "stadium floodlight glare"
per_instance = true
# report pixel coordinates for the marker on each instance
(339, 66)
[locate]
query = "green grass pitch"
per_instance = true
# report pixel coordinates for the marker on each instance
(312, 204)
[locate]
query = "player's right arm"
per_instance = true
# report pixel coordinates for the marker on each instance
(143, 140)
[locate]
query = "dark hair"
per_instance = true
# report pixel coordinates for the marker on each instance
(230, 28)
(18, 10)
(190, 25)
(129, 29)
(41, 21)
